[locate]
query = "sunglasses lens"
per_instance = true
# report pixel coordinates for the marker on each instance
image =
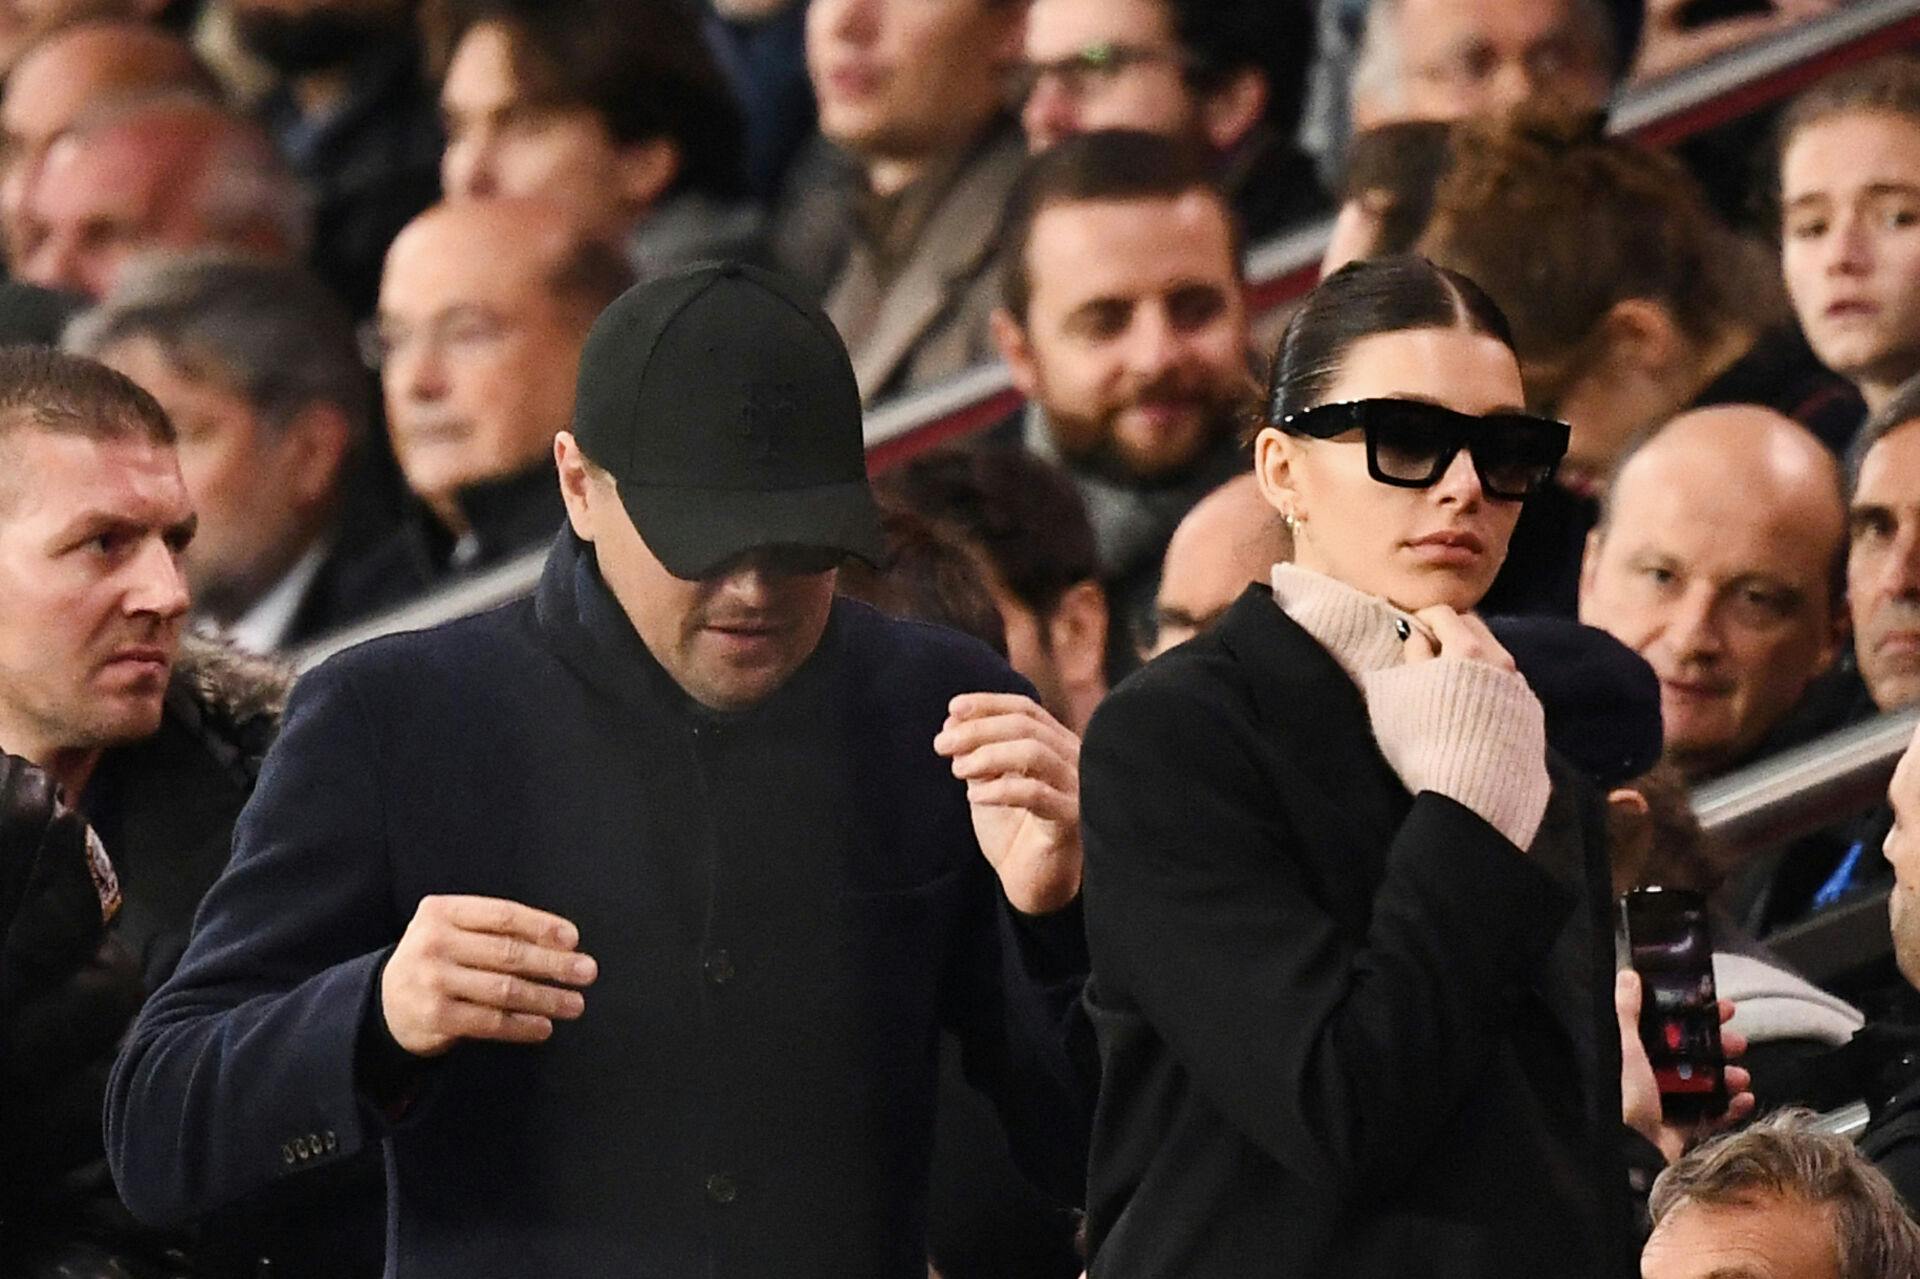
(1515, 459)
(1409, 447)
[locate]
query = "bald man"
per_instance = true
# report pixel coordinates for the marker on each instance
(169, 174)
(76, 72)
(1231, 538)
(1717, 559)
(484, 307)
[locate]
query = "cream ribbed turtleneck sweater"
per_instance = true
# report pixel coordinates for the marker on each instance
(1460, 728)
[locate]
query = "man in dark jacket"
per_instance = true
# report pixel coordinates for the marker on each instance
(684, 756)
(124, 763)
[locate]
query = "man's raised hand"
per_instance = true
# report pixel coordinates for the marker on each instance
(482, 968)
(1022, 770)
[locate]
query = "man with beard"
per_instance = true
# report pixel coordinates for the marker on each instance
(1125, 326)
(354, 118)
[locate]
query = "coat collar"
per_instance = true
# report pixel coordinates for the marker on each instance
(1301, 694)
(958, 238)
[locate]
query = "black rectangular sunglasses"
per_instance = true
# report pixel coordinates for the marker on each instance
(1410, 443)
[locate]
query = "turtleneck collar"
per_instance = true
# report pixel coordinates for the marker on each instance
(1357, 629)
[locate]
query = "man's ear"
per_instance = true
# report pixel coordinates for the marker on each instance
(1590, 567)
(319, 438)
(576, 483)
(1230, 112)
(1077, 636)
(1016, 350)
(1631, 835)
(1641, 335)
(645, 170)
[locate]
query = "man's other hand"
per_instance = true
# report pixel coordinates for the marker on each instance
(482, 968)
(1022, 770)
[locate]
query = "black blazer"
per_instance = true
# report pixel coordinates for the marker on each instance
(1345, 1030)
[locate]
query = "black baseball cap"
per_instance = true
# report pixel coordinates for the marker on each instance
(724, 404)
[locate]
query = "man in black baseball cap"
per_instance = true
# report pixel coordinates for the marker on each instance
(627, 916)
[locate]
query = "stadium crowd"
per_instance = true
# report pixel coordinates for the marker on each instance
(1174, 830)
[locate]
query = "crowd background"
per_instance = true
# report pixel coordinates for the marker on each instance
(354, 248)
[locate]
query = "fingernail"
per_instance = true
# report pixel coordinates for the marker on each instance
(584, 969)
(567, 935)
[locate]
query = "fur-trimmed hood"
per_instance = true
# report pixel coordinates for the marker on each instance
(230, 699)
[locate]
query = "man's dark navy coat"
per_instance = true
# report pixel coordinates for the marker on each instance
(785, 906)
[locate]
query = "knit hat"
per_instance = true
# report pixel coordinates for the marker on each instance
(1601, 698)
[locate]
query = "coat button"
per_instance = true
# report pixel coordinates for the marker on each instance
(300, 1148)
(286, 1152)
(722, 1189)
(333, 1143)
(719, 968)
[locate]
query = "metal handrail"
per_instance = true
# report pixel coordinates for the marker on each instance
(1806, 789)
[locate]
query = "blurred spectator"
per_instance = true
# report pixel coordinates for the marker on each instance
(1883, 560)
(1717, 559)
(930, 577)
(911, 89)
(1125, 325)
(483, 312)
(356, 120)
(1222, 75)
(257, 366)
(172, 174)
(1023, 520)
(1782, 1200)
(1849, 192)
(158, 748)
(1632, 303)
(764, 46)
(1449, 59)
(613, 109)
(1231, 538)
(1387, 191)
(75, 73)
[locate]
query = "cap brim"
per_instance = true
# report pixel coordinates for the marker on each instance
(694, 531)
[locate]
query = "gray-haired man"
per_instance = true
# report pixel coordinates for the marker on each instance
(257, 365)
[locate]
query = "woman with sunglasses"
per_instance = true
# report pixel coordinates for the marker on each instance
(1352, 978)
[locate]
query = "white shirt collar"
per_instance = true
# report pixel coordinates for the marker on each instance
(263, 629)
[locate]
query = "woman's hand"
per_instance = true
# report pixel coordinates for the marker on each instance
(1438, 631)
(1640, 1094)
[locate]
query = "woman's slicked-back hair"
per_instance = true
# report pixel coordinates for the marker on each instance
(1361, 300)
